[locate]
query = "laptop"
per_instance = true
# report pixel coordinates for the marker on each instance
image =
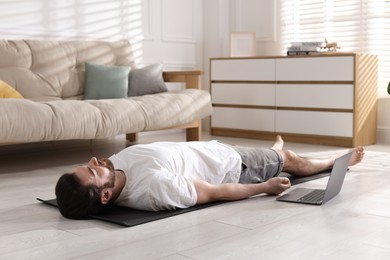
(320, 196)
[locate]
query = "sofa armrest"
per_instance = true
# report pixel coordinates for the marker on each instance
(190, 78)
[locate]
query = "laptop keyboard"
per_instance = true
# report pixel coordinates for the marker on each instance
(314, 196)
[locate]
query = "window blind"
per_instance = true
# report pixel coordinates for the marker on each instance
(356, 25)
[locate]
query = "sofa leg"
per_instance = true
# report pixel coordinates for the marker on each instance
(194, 133)
(133, 137)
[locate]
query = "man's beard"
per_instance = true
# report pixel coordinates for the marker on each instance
(104, 162)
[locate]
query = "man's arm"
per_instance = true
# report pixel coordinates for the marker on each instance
(235, 191)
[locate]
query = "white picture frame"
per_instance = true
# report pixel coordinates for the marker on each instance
(242, 44)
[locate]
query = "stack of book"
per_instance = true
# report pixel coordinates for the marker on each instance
(305, 48)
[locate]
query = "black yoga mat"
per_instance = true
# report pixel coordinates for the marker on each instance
(130, 217)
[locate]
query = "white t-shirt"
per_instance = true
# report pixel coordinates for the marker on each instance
(159, 175)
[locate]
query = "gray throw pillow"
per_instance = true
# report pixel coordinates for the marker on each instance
(147, 80)
(104, 81)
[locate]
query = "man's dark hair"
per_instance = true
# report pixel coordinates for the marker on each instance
(77, 201)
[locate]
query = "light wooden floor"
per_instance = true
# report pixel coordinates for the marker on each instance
(354, 225)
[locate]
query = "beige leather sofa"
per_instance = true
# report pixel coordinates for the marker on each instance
(50, 76)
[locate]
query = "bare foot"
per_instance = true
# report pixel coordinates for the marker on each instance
(357, 155)
(278, 145)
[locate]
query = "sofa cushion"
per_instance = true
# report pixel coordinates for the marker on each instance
(105, 82)
(6, 91)
(147, 80)
(104, 118)
(173, 108)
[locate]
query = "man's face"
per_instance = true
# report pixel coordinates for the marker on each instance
(98, 172)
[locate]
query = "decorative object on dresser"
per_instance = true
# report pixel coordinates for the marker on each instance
(242, 44)
(322, 99)
(305, 48)
(330, 46)
(310, 48)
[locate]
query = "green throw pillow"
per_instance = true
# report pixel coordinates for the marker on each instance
(147, 80)
(104, 81)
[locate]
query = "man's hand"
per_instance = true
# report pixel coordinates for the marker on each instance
(277, 185)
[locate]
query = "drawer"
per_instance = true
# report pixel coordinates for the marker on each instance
(243, 94)
(243, 118)
(315, 96)
(314, 123)
(243, 70)
(316, 68)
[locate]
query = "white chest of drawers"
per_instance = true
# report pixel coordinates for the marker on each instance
(323, 99)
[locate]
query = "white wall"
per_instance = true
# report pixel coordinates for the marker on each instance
(384, 120)
(168, 31)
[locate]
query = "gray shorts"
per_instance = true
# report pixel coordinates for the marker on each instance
(259, 164)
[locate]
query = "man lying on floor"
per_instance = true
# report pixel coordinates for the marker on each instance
(171, 175)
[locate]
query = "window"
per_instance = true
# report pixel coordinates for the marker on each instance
(356, 25)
